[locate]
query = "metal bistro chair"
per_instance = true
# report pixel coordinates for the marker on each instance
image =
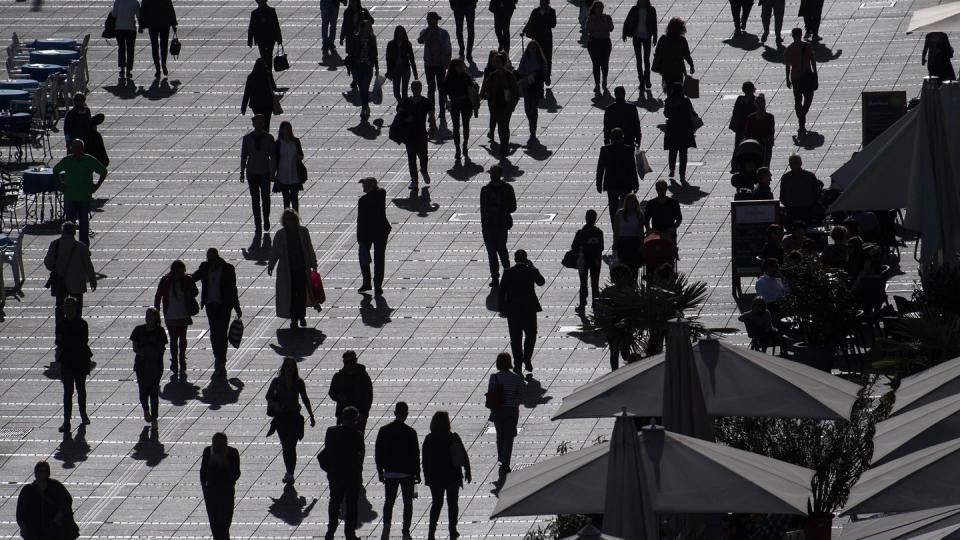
(10, 188)
(11, 252)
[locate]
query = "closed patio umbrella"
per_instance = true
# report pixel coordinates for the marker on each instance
(684, 410)
(913, 525)
(627, 510)
(917, 429)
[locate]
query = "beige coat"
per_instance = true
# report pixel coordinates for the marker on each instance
(72, 261)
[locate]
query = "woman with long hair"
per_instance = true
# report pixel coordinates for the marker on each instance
(289, 166)
(680, 132)
(284, 395)
(671, 53)
(176, 298)
(400, 63)
(445, 467)
(599, 26)
(459, 87)
(532, 75)
(292, 256)
(258, 92)
(630, 229)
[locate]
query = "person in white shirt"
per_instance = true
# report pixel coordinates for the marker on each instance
(127, 15)
(770, 286)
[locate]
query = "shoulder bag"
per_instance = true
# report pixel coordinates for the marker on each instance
(110, 26)
(571, 259)
(175, 45)
(280, 62)
(494, 398)
(235, 334)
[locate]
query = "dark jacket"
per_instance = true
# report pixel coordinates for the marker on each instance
(343, 452)
(394, 51)
(589, 242)
(679, 133)
(540, 26)
(161, 298)
(352, 387)
(76, 124)
(258, 92)
(93, 145)
(229, 296)
(503, 6)
(398, 449)
(372, 223)
(497, 83)
(445, 460)
(72, 342)
(617, 169)
(497, 202)
(217, 477)
(149, 347)
(354, 45)
(463, 5)
(37, 509)
(517, 294)
(622, 115)
(264, 27)
(157, 15)
(630, 23)
(742, 108)
(351, 27)
(662, 214)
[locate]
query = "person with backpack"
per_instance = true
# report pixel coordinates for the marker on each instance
(352, 387)
(504, 393)
(497, 202)
(149, 343)
(177, 296)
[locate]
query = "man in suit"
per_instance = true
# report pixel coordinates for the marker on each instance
(218, 295)
(517, 298)
(342, 459)
(219, 472)
(373, 228)
(264, 30)
(398, 466)
(617, 173)
(623, 115)
(497, 202)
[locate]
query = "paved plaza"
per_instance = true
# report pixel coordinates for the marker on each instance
(173, 191)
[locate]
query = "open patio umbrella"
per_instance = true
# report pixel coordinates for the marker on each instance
(627, 510)
(683, 474)
(942, 18)
(918, 481)
(684, 410)
(906, 525)
(932, 384)
(736, 382)
(917, 429)
(591, 533)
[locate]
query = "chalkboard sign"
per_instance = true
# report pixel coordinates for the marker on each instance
(881, 110)
(749, 221)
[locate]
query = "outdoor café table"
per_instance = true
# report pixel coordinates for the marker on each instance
(19, 84)
(15, 120)
(40, 72)
(6, 96)
(54, 56)
(55, 43)
(39, 182)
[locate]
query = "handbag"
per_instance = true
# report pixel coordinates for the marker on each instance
(277, 108)
(643, 164)
(808, 82)
(691, 87)
(301, 172)
(280, 62)
(397, 132)
(235, 333)
(571, 259)
(193, 307)
(316, 288)
(322, 459)
(110, 26)
(175, 45)
(695, 121)
(494, 398)
(474, 92)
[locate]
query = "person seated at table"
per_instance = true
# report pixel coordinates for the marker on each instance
(762, 191)
(869, 288)
(794, 240)
(808, 249)
(770, 286)
(76, 123)
(773, 248)
(78, 187)
(856, 256)
(759, 325)
(800, 191)
(835, 254)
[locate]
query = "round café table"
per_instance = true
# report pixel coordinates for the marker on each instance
(17, 122)
(53, 56)
(40, 72)
(6, 96)
(38, 180)
(39, 184)
(55, 43)
(19, 84)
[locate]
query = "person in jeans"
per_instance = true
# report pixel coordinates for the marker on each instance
(75, 174)
(502, 13)
(400, 63)
(517, 299)
(284, 395)
(464, 10)
(258, 161)
(497, 202)
(69, 262)
(219, 472)
(258, 92)
(176, 299)
(599, 26)
(127, 14)
(506, 415)
(588, 243)
(812, 13)
(801, 65)
(458, 85)
(398, 466)
(343, 452)
(363, 63)
(776, 8)
(445, 466)
(149, 343)
(641, 25)
(158, 17)
(373, 229)
(329, 11)
(416, 112)
(436, 58)
(502, 92)
(218, 296)
(351, 387)
(289, 165)
(532, 71)
(740, 11)
(264, 30)
(74, 352)
(539, 28)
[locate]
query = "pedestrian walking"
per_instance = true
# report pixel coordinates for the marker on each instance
(73, 350)
(497, 204)
(373, 230)
(219, 296)
(776, 8)
(599, 46)
(329, 11)
(158, 17)
(740, 11)
(290, 172)
(622, 282)
(284, 395)
(801, 64)
(293, 256)
(258, 163)
(352, 17)
(531, 76)
(629, 234)
(264, 31)
(936, 55)
(641, 26)
(623, 115)
(351, 387)
(464, 11)
(445, 466)
(401, 62)
(93, 143)
(149, 343)
(588, 245)
(662, 213)
(176, 298)
(74, 174)
(502, 13)
(539, 28)
(760, 126)
(363, 63)
(502, 92)
(342, 459)
(671, 53)
(436, 58)
(219, 472)
(416, 112)
(461, 92)
(517, 298)
(800, 192)
(126, 15)
(617, 174)
(45, 508)
(77, 122)
(71, 269)
(680, 131)
(259, 92)
(812, 13)
(397, 457)
(743, 107)
(507, 386)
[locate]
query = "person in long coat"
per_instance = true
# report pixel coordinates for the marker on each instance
(679, 135)
(292, 256)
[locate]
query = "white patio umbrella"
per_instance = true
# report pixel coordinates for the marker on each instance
(932, 384)
(942, 18)
(906, 525)
(918, 481)
(684, 410)
(917, 429)
(683, 474)
(591, 533)
(736, 382)
(628, 512)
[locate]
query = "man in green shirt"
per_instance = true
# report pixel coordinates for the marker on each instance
(75, 174)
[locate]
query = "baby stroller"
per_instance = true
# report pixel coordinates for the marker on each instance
(748, 157)
(659, 248)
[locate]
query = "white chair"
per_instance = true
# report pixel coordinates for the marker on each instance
(11, 252)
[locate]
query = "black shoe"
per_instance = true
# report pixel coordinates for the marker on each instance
(293, 323)
(494, 282)
(65, 428)
(364, 288)
(581, 310)
(528, 366)
(173, 367)
(84, 419)
(764, 35)
(156, 74)
(303, 323)
(165, 72)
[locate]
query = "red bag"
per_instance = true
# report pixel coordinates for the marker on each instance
(316, 288)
